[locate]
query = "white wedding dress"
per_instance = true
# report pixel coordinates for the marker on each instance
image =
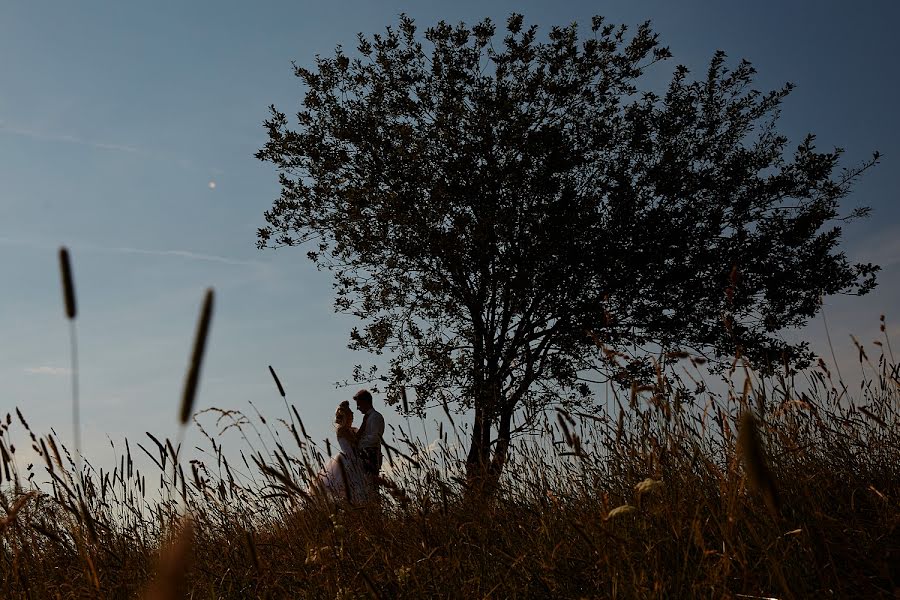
(349, 485)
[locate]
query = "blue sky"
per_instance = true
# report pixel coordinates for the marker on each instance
(116, 117)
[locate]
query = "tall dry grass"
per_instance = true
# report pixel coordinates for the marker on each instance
(785, 487)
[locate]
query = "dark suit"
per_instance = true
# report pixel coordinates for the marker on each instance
(370, 432)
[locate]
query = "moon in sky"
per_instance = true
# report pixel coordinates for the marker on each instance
(212, 185)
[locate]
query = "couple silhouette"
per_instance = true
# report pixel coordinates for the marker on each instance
(352, 473)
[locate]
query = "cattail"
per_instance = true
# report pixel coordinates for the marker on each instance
(55, 450)
(288, 408)
(193, 374)
(65, 269)
(300, 422)
(46, 456)
(6, 460)
(754, 457)
(160, 448)
(403, 398)
(277, 381)
(22, 419)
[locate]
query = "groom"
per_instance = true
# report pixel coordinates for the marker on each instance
(369, 435)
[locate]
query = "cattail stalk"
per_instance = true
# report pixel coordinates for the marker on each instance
(68, 288)
(191, 381)
(282, 394)
(277, 381)
(193, 374)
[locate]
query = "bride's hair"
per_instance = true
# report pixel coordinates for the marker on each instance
(342, 413)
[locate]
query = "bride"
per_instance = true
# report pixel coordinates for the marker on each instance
(342, 477)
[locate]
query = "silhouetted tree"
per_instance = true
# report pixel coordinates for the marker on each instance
(505, 216)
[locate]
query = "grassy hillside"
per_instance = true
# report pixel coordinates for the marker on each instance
(676, 491)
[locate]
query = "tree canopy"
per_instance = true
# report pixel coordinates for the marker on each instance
(503, 215)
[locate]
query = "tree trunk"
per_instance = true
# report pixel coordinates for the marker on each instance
(482, 469)
(479, 451)
(502, 450)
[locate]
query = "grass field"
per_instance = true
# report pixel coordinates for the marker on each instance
(782, 487)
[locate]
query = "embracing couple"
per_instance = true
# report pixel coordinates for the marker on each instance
(352, 473)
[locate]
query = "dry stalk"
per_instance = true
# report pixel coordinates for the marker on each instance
(754, 456)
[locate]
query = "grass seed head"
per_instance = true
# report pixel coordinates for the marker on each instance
(648, 486)
(620, 511)
(277, 381)
(65, 269)
(193, 374)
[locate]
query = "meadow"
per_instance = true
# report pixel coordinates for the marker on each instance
(771, 487)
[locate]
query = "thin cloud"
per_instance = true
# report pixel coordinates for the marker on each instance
(45, 136)
(69, 139)
(7, 241)
(187, 254)
(45, 370)
(182, 254)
